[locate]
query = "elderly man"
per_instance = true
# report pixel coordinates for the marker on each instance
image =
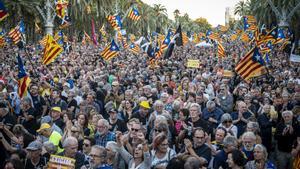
(53, 136)
(199, 150)
(196, 120)
(286, 133)
(70, 145)
(103, 134)
(225, 99)
(248, 141)
(98, 160)
(230, 144)
(35, 160)
(212, 114)
(241, 118)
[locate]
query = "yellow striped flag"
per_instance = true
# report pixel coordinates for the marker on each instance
(51, 51)
(15, 34)
(250, 64)
(185, 38)
(110, 51)
(134, 48)
(23, 79)
(2, 41)
(134, 14)
(221, 50)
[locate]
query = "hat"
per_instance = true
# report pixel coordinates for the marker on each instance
(43, 127)
(112, 111)
(56, 109)
(35, 145)
(145, 104)
(46, 119)
(115, 83)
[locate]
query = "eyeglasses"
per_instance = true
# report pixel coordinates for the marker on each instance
(136, 130)
(86, 145)
(95, 156)
(159, 131)
(100, 127)
(227, 121)
(74, 131)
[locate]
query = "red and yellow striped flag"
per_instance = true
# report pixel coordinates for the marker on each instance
(51, 51)
(221, 50)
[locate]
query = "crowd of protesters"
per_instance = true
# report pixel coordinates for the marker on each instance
(127, 114)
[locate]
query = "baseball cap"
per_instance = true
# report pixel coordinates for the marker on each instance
(43, 127)
(112, 111)
(145, 104)
(56, 109)
(46, 119)
(35, 145)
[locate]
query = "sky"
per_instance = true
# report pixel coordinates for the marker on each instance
(212, 10)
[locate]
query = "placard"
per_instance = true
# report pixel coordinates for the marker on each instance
(193, 63)
(61, 162)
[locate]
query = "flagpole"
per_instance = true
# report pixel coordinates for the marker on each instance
(27, 54)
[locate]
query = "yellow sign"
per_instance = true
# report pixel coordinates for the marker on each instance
(61, 162)
(193, 63)
(227, 73)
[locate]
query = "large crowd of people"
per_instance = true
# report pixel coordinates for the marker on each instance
(127, 114)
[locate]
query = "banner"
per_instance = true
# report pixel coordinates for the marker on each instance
(193, 63)
(60, 162)
(295, 58)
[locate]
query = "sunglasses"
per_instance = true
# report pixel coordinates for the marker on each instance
(227, 121)
(136, 130)
(86, 145)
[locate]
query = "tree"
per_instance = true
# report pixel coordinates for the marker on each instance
(242, 8)
(203, 24)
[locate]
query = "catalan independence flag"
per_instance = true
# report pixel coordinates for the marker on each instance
(16, 33)
(212, 35)
(23, 78)
(134, 48)
(134, 14)
(110, 51)
(51, 51)
(3, 12)
(249, 23)
(221, 50)
(167, 40)
(250, 64)
(115, 21)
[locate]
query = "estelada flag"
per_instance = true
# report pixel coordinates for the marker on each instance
(51, 51)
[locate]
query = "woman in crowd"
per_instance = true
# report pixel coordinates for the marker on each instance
(140, 159)
(161, 153)
(226, 123)
(260, 159)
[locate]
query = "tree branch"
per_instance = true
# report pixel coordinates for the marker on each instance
(290, 15)
(41, 12)
(274, 9)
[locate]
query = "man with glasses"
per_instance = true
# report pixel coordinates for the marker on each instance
(98, 156)
(34, 158)
(87, 146)
(230, 144)
(199, 149)
(70, 145)
(103, 134)
(225, 99)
